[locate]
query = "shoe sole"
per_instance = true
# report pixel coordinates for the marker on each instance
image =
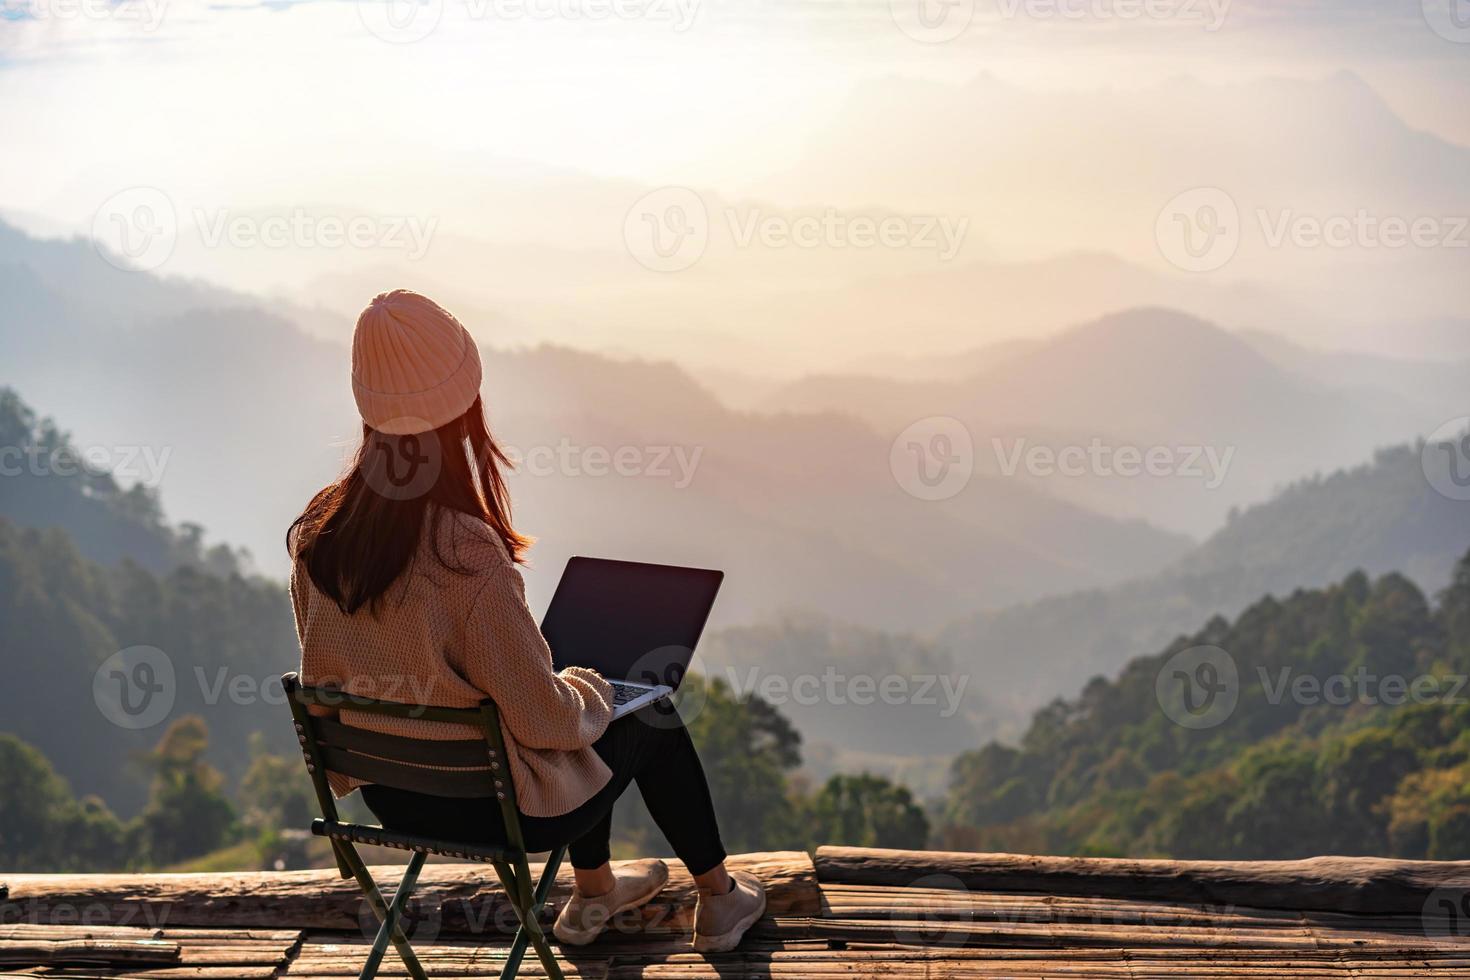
(727, 941)
(583, 937)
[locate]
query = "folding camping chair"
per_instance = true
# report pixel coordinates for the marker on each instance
(464, 769)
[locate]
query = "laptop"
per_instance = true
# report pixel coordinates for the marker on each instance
(635, 624)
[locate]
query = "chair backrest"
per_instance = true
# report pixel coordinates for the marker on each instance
(457, 769)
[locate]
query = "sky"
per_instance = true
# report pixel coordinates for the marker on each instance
(283, 96)
(466, 113)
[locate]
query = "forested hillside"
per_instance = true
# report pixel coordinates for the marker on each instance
(1382, 516)
(227, 637)
(45, 481)
(1332, 720)
(92, 777)
(89, 568)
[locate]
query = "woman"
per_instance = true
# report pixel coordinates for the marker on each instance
(405, 588)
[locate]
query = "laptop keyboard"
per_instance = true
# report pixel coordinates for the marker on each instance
(622, 693)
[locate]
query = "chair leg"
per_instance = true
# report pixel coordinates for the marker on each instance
(390, 921)
(517, 886)
(347, 854)
(543, 888)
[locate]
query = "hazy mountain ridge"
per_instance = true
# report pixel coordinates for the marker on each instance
(1158, 377)
(800, 510)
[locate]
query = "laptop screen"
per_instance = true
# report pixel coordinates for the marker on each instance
(628, 620)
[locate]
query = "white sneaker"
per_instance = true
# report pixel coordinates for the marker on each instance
(721, 921)
(584, 919)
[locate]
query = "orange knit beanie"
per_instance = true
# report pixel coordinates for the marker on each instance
(414, 366)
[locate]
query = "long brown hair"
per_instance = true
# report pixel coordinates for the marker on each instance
(360, 533)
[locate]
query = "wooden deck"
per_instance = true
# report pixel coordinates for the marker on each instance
(848, 913)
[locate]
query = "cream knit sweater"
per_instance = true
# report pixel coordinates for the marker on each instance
(446, 639)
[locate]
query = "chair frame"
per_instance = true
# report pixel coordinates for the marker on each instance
(510, 860)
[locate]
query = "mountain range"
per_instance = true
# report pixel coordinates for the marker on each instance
(802, 510)
(1006, 592)
(1260, 411)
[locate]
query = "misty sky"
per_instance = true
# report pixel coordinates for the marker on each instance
(465, 113)
(278, 98)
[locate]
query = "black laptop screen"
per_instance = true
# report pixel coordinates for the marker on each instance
(628, 620)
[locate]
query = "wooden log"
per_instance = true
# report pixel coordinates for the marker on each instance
(69, 952)
(449, 898)
(1361, 885)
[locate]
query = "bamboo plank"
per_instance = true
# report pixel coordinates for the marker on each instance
(34, 952)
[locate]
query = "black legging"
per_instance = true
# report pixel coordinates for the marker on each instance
(650, 747)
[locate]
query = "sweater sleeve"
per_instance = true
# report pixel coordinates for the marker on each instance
(505, 655)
